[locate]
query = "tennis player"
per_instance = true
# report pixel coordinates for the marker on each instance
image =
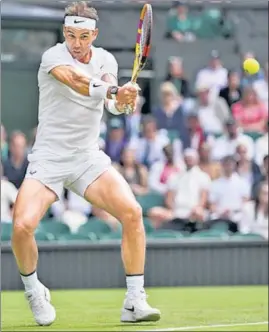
(75, 81)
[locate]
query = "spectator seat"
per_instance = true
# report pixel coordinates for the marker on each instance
(150, 200)
(94, 226)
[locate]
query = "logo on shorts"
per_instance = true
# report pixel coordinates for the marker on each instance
(76, 21)
(32, 172)
(96, 85)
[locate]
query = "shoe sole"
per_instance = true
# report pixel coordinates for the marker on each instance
(154, 317)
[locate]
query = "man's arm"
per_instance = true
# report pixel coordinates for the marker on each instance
(80, 83)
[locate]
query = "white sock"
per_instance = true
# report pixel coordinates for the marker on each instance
(135, 283)
(30, 282)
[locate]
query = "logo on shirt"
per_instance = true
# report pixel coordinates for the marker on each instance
(32, 172)
(76, 21)
(96, 85)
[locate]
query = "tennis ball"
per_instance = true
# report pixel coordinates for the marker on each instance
(251, 66)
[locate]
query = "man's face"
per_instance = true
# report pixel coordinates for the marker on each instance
(228, 167)
(78, 41)
(190, 161)
(232, 130)
(150, 130)
(215, 62)
(181, 10)
(18, 146)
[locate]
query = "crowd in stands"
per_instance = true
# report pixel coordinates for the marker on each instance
(203, 148)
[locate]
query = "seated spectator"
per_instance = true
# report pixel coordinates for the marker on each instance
(116, 140)
(16, 165)
(177, 76)
(134, 120)
(249, 112)
(4, 144)
(206, 164)
(71, 209)
(180, 23)
(149, 148)
(246, 168)
(255, 214)
(261, 87)
(226, 144)
(212, 114)
(161, 171)
(170, 114)
(249, 79)
(232, 93)
(195, 134)
(105, 216)
(186, 198)
(134, 173)
(261, 146)
(214, 75)
(8, 198)
(264, 176)
(227, 196)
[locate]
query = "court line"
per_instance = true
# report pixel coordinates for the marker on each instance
(186, 328)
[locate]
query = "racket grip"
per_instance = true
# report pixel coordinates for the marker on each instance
(129, 110)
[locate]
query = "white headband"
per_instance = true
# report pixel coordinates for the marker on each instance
(80, 22)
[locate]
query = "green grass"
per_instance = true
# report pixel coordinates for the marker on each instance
(99, 310)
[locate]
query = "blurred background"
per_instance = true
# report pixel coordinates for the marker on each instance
(195, 151)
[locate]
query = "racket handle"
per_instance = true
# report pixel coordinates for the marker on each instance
(129, 110)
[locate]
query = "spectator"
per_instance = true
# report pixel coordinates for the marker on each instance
(227, 196)
(226, 144)
(180, 23)
(232, 93)
(106, 217)
(264, 176)
(196, 135)
(116, 140)
(214, 75)
(16, 165)
(207, 165)
(162, 171)
(177, 76)
(261, 146)
(170, 115)
(212, 114)
(70, 202)
(246, 168)
(8, 198)
(249, 112)
(149, 146)
(249, 79)
(4, 144)
(134, 120)
(255, 214)
(186, 198)
(134, 173)
(261, 87)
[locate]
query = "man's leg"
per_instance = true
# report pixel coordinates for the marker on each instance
(32, 203)
(112, 193)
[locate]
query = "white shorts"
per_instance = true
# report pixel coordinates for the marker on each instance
(75, 175)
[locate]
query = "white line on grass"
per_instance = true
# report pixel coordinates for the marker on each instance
(186, 328)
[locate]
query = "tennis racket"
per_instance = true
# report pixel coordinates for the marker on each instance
(143, 44)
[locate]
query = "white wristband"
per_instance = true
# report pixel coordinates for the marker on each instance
(98, 89)
(111, 107)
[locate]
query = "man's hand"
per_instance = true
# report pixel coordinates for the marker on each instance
(127, 94)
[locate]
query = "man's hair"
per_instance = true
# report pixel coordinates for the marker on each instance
(83, 9)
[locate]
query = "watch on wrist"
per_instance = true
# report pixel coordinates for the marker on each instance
(113, 92)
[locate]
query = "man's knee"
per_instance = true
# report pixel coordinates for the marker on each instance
(133, 215)
(23, 223)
